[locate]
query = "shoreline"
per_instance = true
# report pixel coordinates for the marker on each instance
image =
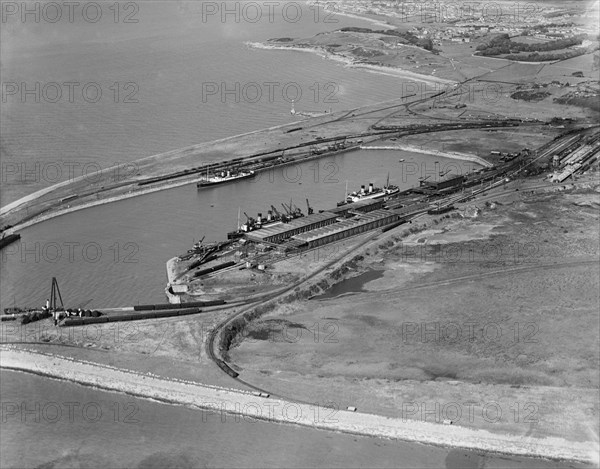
(352, 63)
(175, 183)
(453, 156)
(381, 23)
(27, 198)
(214, 398)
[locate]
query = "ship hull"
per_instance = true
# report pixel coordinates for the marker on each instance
(203, 184)
(9, 239)
(372, 196)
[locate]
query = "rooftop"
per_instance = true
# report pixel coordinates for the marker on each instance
(281, 228)
(343, 225)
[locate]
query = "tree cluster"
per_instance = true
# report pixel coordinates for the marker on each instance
(502, 44)
(424, 43)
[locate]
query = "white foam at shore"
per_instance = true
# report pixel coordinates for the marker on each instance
(148, 385)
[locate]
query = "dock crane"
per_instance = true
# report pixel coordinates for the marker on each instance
(249, 223)
(309, 209)
(198, 245)
(55, 296)
(295, 211)
(442, 174)
(278, 215)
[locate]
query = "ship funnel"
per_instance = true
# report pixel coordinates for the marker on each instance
(362, 189)
(259, 218)
(370, 187)
(270, 215)
(228, 173)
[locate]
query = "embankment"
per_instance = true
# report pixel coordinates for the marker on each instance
(189, 393)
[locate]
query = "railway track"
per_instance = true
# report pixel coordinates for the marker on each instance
(210, 343)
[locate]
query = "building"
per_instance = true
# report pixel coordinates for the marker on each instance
(282, 231)
(346, 228)
(450, 182)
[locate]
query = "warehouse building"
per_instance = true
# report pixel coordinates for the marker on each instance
(346, 228)
(282, 231)
(362, 206)
(443, 184)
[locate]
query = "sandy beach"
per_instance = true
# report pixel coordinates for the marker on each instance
(348, 62)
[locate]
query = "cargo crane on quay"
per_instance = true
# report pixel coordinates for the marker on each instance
(274, 216)
(369, 209)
